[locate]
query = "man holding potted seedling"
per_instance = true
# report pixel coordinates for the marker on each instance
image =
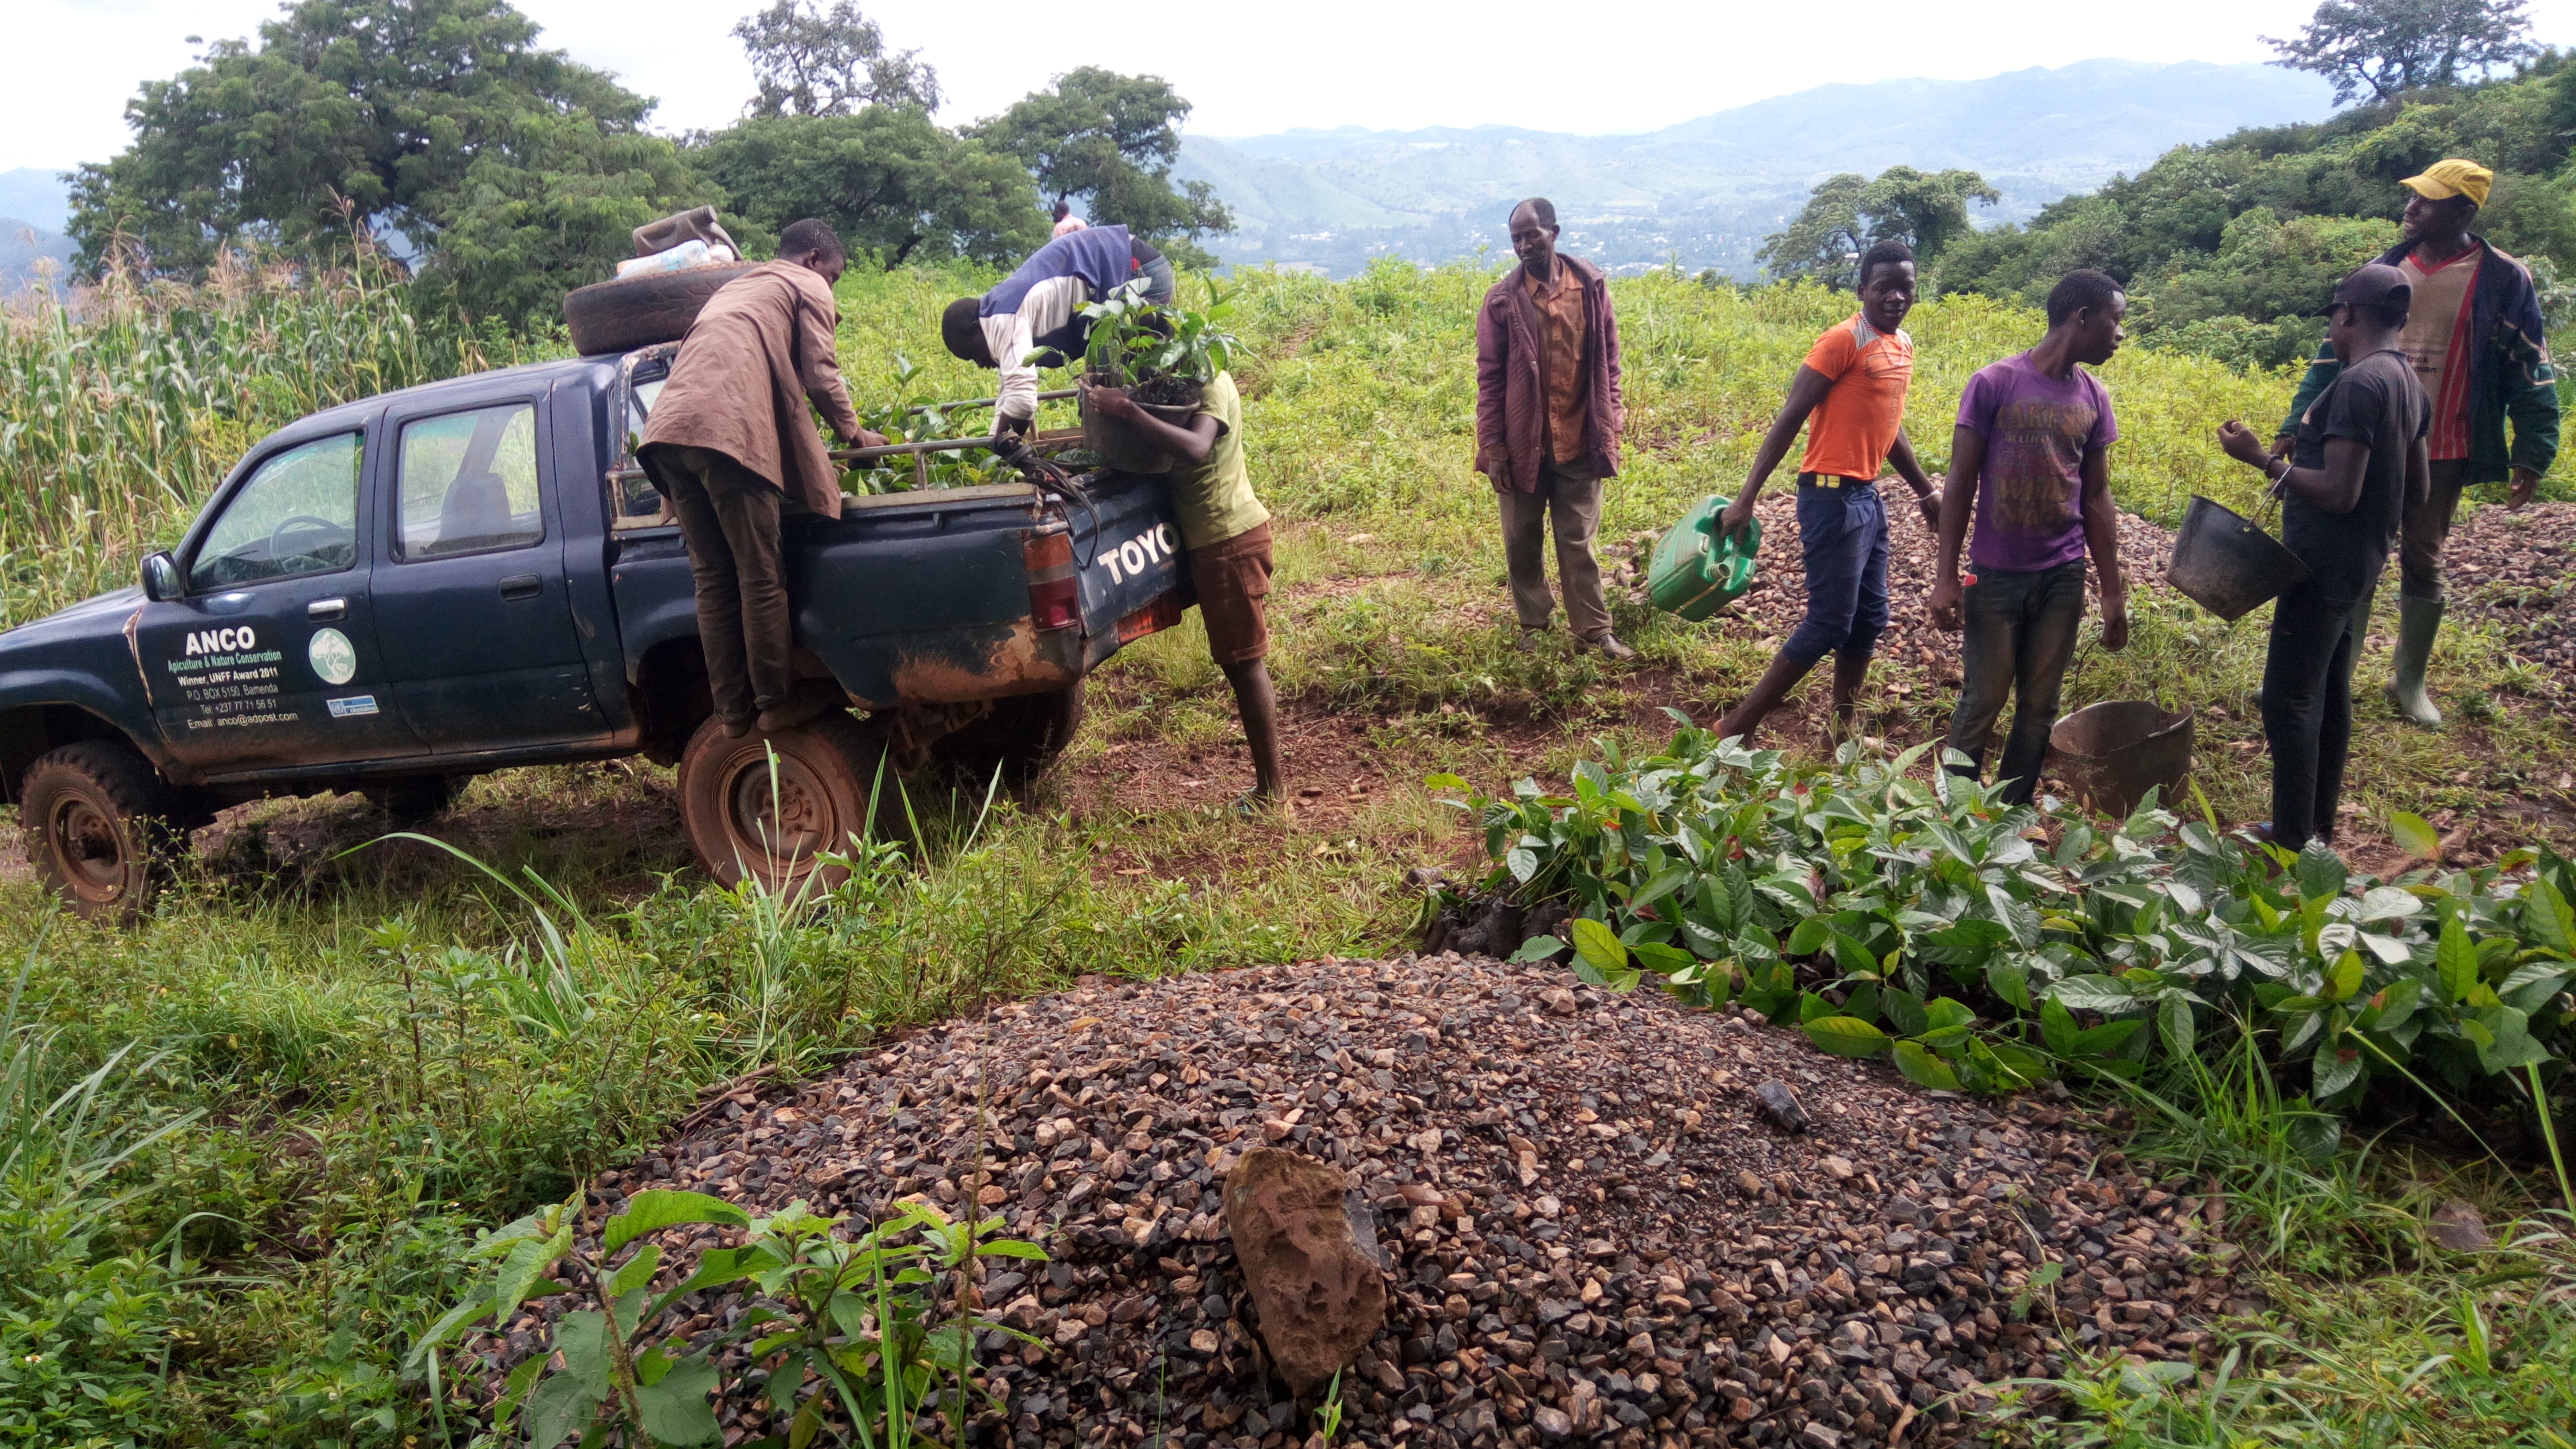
(1548, 413)
(1037, 310)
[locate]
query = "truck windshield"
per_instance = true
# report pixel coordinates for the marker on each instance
(297, 515)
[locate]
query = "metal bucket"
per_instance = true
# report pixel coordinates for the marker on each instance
(2227, 564)
(2110, 754)
(1125, 447)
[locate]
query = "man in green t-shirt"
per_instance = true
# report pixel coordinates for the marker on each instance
(1227, 533)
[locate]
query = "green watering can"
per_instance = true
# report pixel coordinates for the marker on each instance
(1694, 572)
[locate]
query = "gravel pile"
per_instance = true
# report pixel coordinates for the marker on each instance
(1593, 1233)
(2513, 570)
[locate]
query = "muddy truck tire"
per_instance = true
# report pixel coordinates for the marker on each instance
(748, 819)
(1021, 736)
(97, 826)
(620, 316)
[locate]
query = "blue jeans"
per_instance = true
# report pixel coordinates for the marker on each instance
(1842, 533)
(2020, 636)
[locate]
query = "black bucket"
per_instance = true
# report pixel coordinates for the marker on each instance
(2228, 565)
(2110, 754)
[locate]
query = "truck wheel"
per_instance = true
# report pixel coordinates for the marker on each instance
(1022, 735)
(620, 316)
(95, 816)
(748, 819)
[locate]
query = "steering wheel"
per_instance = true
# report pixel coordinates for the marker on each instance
(277, 550)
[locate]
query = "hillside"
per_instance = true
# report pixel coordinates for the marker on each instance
(24, 247)
(1711, 188)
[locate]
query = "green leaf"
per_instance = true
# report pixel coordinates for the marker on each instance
(2415, 835)
(656, 1208)
(2344, 977)
(1597, 946)
(2456, 958)
(1846, 1036)
(1660, 887)
(1661, 959)
(675, 1410)
(2319, 872)
(2174, 1023)
(2547, 913)
(1537, 948)
(1853, 957)
(2529, 988)
(2093, 993)
(1445, 781)
(638, 1273)
(2397, 1002)
(1862, 1002)
(1924, 1069)
(1944, 1013)
(1812, 1007)
(786, 1379)
(2057, 1026)
(561, 1407)
(1811, 935)
(2313, 1135)
(1904, 1011)
(2103, 1040)
(2009, 980)
(1964, 945)
(1522, 862)
(448, 1323)
(2335, 1070)
(582, 1339)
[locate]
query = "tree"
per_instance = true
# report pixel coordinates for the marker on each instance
(887, 179)
(814, 62)
(2389, 47)
(1111, 139)
(515, 172)
(1845, 214)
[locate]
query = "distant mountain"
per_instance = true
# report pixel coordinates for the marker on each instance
(1710, 189)
(23, 246)
(36, 196)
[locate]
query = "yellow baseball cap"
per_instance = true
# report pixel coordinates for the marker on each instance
(2452, 177)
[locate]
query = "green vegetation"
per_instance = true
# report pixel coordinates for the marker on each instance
(2227, 247)
(357, 1060)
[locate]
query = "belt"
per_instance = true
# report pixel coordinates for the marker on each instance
(1832, 480)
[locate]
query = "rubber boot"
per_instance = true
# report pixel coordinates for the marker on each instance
(2418, 620)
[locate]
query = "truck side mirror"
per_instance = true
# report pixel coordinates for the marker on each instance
(160, 577)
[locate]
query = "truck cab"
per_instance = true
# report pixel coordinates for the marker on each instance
(400, 593)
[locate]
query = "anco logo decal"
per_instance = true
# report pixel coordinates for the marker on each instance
(1137, 554)
(222, 641)
(334, 658)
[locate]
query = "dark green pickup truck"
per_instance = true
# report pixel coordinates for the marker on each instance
(401, 593)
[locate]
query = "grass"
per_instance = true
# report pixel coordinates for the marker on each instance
(362, 1055)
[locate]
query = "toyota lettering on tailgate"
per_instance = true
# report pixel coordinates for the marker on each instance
(1140, 553)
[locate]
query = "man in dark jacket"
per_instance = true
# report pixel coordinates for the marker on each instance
(731, 443)
(2474, 337)
(1547, 423)
(1038, 309)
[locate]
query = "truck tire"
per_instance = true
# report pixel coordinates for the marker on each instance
(96, 818)
(1022, 735)
(826, 771)
(633, 312)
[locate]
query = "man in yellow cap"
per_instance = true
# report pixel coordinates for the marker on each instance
(2475, 339)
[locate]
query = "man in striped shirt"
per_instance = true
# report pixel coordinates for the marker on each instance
(2474, 337)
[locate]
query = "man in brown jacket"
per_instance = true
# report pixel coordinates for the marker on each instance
(1547, 423)
(731, 444)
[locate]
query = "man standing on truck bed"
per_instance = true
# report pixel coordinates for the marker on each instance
(1548, 414)
(1039, 309)
(1227, 533)
(2475, 338)
(731, 444)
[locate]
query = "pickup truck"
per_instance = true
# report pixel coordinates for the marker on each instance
(398, 594)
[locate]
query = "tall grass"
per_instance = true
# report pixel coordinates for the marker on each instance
(123, 404)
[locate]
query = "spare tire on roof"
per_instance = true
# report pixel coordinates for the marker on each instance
(633, 312)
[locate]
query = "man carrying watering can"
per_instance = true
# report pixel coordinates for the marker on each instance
(2031, 459)
(2357, 465)
(1850, 395)
(2474, 338)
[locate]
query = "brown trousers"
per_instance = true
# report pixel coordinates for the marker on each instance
(729, 517)
(2425, 528)
(1573, 505)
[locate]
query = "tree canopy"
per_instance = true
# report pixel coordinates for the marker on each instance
(886, 178)
(1845, 214)
(2390, 47)
(1110, 140)
(808, 61)
(513, 171)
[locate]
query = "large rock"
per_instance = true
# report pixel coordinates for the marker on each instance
(1320, 1298)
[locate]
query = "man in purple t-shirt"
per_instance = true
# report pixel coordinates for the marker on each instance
(2032, 450)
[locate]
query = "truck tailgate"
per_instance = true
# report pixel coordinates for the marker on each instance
(1128, 562)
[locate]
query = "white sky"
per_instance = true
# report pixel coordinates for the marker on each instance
(1250, 68)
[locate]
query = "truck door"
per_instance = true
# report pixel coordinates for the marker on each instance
(269, 659)
(471, 602)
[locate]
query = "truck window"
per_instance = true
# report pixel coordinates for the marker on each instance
(469, 483)
(638, 502)
(297, 515)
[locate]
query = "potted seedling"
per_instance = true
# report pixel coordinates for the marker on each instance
(1162, 357)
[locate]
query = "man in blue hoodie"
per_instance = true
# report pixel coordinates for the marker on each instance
(1038, 309)
(2475, 339)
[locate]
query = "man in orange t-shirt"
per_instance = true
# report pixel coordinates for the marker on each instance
(1850, 394)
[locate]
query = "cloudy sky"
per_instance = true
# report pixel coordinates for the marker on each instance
(72, 64)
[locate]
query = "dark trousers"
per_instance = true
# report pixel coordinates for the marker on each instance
(2020, 634)
(1571, 504)
(2424, 529)
(1842, 535)
(2307, 709)
(729, 517)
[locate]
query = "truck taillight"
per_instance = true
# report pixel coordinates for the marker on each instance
(1055, 596)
